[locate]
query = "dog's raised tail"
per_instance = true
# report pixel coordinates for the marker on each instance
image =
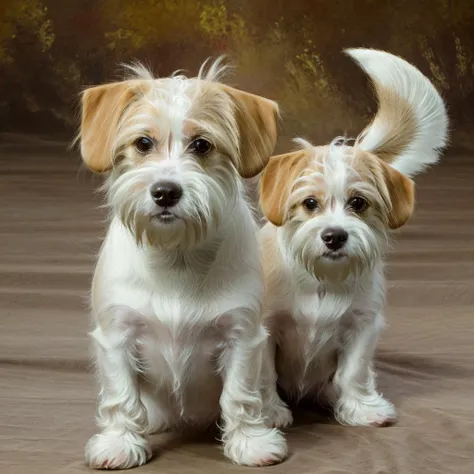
(410, 128)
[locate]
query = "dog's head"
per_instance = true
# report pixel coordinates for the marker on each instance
(336, 205)
(174, 149)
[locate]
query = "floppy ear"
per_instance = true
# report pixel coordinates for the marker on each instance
(276, 183)
(256, 118)
(102, 107)
(401, 190)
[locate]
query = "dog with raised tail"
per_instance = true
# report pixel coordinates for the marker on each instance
(178, 288)
(330, 210)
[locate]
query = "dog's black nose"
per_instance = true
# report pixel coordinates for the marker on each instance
(166, 193)
(334, 237)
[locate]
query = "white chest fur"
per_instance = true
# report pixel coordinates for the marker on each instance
(311, 325)
(180, 314)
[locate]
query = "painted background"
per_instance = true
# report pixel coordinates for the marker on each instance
(288, 50)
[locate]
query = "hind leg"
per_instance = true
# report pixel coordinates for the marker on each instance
(159, 413)
(275, 411)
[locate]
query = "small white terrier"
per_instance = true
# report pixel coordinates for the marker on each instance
(330, 210)
(178, 289)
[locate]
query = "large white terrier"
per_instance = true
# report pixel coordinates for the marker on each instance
(178, 288)
(330, 210)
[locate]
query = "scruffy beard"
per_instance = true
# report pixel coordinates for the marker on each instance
(208, 199)
(366, 246)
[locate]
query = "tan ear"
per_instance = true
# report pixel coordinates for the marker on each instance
(401, 190)
(276, 183)
(102, 107)
(257, 121)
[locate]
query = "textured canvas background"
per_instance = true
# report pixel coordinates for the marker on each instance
(287, 50)
(50, 224)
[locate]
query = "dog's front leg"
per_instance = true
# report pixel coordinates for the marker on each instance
(276, 412)
(247, 439)
(358, 402)
(122, 418)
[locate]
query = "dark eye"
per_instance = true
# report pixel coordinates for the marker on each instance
(144, 144)
(201, 146)
(310, 203)
(358, 204)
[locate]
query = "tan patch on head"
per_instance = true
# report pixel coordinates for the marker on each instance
(189, 129)
(102, 109)
(256, 119)
(395, 189)
(246, 122)
(277, 182)
(402, 196)
(311, 183)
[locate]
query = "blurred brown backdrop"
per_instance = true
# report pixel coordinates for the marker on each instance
(288, 50)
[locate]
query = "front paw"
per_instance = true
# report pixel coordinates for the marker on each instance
(367, 411)
(255, 445)
(278, 415)
(117, 451)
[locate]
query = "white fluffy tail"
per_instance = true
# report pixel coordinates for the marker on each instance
(411, 125)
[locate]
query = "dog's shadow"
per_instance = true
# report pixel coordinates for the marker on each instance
(192, 443)
(196, 444)
(308, 413)
(399, 377)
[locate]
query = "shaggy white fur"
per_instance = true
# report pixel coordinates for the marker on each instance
(330, 210)
(178, 288)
